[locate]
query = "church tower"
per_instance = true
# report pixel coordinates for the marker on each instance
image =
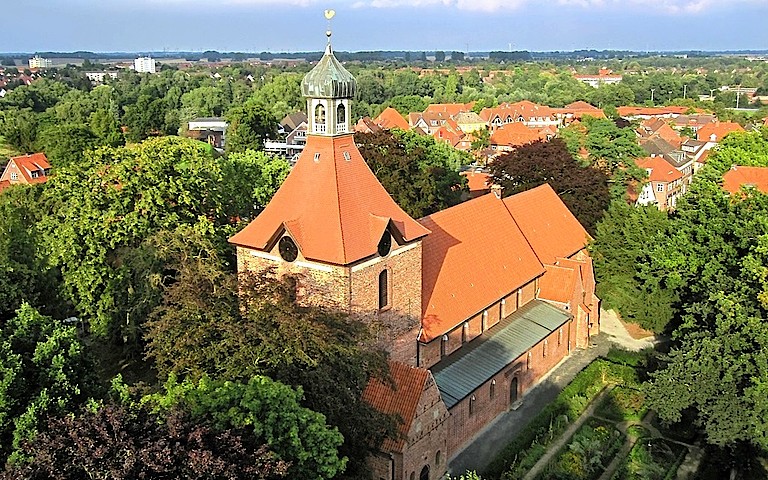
(334, 225)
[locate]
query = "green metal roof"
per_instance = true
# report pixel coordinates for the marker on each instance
(329, 79)
(460, 374)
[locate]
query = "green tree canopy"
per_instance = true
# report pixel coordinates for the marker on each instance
(249, 126)
(420, 173)
(45, 369)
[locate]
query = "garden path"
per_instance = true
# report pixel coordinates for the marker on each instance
(554, 448)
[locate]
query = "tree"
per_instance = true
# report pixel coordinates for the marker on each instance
(103, 208)
(19, 128)
(45, 369)
(439, 56)
(249, 126)
(268, 410)
(122, 443)
(624, 244)
(419, 173)
(104, 125)
(584, 190)
(66, 143)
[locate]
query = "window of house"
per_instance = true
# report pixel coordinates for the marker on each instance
(546, 347)
(438, 457)
(35, 174)
(347, 156)
(464, 330)
(559, 337)
(492, 389)
(443, 343)
(528, 361)
(472, 405)
(383, 289)
(14, 176)
(660, 187)
(413, 476)
(317, 156)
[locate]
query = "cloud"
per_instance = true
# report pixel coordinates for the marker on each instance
(663, 6)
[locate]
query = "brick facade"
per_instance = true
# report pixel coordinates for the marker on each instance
(496, 395)
(355, 289)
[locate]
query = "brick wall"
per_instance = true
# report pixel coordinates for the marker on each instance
(397, 325)
(428, 436)
(463, 426)
(318, 284)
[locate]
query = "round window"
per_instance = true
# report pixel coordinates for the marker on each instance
(385, 244)
(288, 249)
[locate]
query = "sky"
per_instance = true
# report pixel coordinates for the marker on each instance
(299, 25)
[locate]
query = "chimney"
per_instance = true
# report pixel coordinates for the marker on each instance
(496, 190)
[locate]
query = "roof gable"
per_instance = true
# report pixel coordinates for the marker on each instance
(737, 176)
(391, 118)
(330, 203)
(548, 225)
(400, 398)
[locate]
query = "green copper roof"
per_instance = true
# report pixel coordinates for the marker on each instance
(329, 79)
(472, 365)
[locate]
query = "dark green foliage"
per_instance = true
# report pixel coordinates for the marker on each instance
(584, 190)
(651, 459)
(45, 370)
(25, 277)
(268, 410)
(624, 243)
(587, 454)
(66, 143)
(420, 174)
(249, 126)
(116, 442)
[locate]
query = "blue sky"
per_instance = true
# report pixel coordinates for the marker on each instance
(298, 25)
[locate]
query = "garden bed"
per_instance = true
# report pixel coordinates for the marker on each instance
(651, 459)
(587, 454)
(521, 454)
(623, 404)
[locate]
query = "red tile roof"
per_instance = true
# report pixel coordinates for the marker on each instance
(36, 162)
(449, 108)
(557, 284)
(737, 176)
(548, 225)
(718, 129)
(391, 118)
(400, 399)
(525, 109)
(660, 169)
(516, 135)
(332, 205)
(475, 255)
(478, 181)
(4, 184)
(651, 111)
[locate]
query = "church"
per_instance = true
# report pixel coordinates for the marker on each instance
(474, 303)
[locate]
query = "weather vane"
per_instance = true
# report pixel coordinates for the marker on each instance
(329, 14)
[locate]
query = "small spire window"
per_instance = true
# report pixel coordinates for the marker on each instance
(383, 289)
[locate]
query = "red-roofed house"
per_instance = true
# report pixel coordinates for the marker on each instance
(479, 183)
(391, 118)
(665, 183)
(27, 169)
(455, 298)
(577, 111)
(749, 177)
(715, 132)
(511, 136)
(525, 112)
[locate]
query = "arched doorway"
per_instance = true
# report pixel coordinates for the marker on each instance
(424, 475)
(513, 391)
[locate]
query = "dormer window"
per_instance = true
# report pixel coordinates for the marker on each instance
(385, 244)
(288, 249)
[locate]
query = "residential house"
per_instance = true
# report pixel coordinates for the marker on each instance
(604, 77)
(470, 122)
(739, 177)
(291, 121)
(714, 132)
(693, 121)
(391, 118)
(576, 111)
(511, 136)
(636, 113)
(26, 169)
(479, 182)
(664, 186)
(656, 146)
(212, 130)
(367, 125)
(525, 112)
(474, 303)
